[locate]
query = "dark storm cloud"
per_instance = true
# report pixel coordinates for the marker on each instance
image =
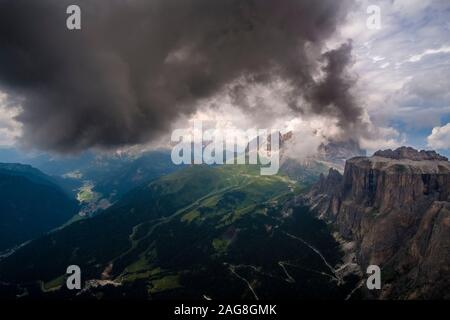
(137, 65)
(333, 94)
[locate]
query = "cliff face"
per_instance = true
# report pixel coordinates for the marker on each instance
(396, 206)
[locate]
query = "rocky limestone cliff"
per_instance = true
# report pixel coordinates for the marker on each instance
(396, 206)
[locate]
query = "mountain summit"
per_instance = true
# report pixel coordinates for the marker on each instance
(395, 206)
(409, 153)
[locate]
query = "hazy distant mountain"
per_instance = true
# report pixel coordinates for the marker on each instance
(31, 204)
(115, 181)
(97, 179)
(329, 155)
(337, 152)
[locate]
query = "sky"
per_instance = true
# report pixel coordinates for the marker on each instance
(404, 70)
(313, 67)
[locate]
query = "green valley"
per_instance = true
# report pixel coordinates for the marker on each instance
(188, 234)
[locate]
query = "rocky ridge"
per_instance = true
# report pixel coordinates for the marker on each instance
(408, 153)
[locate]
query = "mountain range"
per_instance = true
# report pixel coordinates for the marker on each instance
(185, 232)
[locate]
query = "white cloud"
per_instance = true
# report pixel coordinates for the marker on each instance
(418, 57)
(440, 137)
(394, 92)
(382, 138)
(10, 129)
(409, 8)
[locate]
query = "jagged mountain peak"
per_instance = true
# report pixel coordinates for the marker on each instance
(340, 151)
